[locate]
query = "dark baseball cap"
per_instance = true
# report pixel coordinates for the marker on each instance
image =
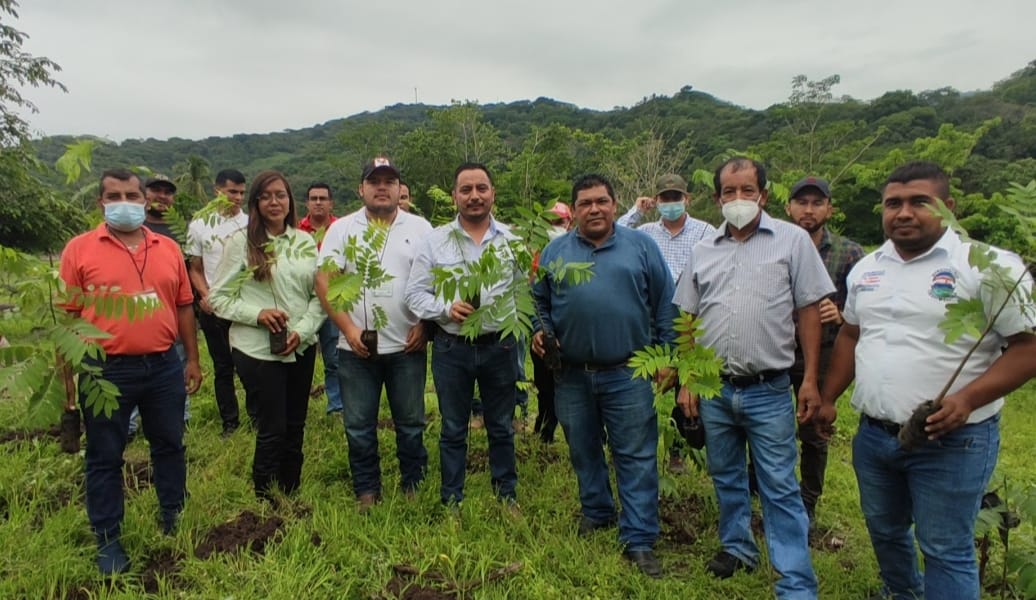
(671, 183)
(811, 182)
(160, 180)
(377, 163)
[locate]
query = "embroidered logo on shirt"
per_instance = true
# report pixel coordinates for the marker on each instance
(870, 281)
(944, 285)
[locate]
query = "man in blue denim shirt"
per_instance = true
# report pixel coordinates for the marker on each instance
(744, 283)
(625, 306)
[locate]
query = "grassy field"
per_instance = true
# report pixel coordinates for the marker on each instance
(230, 545)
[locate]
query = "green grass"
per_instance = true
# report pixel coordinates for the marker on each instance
(328, 550)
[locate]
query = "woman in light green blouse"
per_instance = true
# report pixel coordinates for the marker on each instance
(264, 286)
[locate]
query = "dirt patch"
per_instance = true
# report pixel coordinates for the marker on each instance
(478, 460)
(404, 585)
(316, 540)
(683, 519)
(403, 589)
(537, 452)
(827, 540)
(51, 433)
(247, 531)
(81, 592)
(165, 565)
(136, 475)
(757, 525)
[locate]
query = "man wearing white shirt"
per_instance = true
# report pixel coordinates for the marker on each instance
(458, 361)
(891, 343)
(205, 238)
(398, 362)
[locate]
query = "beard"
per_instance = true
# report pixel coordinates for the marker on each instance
(154, 212)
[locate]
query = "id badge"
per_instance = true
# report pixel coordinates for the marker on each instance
(384, 290)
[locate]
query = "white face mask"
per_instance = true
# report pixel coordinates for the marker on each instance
(740, 212)
(556, 231)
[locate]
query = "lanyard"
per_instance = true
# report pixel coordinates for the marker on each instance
(133, 261)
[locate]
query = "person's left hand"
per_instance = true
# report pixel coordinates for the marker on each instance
(415, 338)
(293, 342)
(192, 376)
(829, 312)
(953, 413)
(809, 401)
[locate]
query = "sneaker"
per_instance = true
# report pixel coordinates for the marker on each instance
(228, 430)
(511, 507)
(367, 501)
(725, 564)
(111, 558)
(645, 561)
(587, 526)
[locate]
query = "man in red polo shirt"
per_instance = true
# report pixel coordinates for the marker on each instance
(319, 216)
(139, 357)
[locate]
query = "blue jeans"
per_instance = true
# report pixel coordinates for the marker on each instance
(329, 352)
(937, 489)
(403, 376)
(135, 415)
(762, 415)
(590, 403)
(155, 384)
(456, 365)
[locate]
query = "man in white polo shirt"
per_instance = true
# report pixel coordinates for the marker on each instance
(398, 361)
(892, 344)
(205, 239)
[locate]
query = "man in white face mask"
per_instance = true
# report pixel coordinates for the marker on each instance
(744, 283)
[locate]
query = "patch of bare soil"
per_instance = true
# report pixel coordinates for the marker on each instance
(478, 460)
(165, 565)
(136, 475)
(827, 539)
(248, 531)
(51, 433)
(405, 585)
(682, 519)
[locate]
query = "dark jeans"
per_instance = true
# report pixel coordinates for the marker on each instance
(402, 375)
(217, 338)
(456, 365)
(281, 392)
(153, 383)
(546, 413)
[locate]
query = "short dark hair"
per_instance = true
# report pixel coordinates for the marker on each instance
(585, 182)
(231, 175)
(401, 182)
(319, 186)
(737, 163)
(470, 166)
(921, 169)
(121, 175)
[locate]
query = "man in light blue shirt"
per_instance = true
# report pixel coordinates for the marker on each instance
(459, 361)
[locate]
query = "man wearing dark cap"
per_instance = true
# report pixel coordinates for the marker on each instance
(809, 206)
(393, 357)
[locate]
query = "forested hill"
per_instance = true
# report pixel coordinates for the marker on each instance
(537, 146)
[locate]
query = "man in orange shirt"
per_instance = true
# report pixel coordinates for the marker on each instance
(139, 357)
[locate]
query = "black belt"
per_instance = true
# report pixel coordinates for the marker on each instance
(888, 427)
(592, 367)
(486, 339)
(749, 380)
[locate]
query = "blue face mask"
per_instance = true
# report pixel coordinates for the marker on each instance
(124, 216)
(670, 211)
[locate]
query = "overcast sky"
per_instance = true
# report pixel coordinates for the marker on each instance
(198, 68)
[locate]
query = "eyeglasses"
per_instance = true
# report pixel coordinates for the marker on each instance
(267, 196)
(319, 199)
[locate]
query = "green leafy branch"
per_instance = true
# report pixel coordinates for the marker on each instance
(696, 366)
(364, 272)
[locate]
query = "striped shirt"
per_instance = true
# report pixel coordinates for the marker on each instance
(746, 292)
(676, 248)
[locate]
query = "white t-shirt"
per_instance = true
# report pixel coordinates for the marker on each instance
(401, 245)
(207, 240)
(902, 358)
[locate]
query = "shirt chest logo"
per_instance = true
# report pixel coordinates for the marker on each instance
(870, 281)
(944, 285)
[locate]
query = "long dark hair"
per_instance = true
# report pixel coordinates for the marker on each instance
(258, 255)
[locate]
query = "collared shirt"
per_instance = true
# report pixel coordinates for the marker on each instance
(290, 288)
(902, 358)
(625, 306)
(676, 248)
(205, 238)
(746, 292)
(839, 254)
(405, 234)
(318, 233)
(155, 269)
(449, 246)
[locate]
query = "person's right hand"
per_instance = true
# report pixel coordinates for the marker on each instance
(644, 204)
(461, 310)
(824, 420)
(204, 305)
(352, 336)
(273, 319)
(687, 402)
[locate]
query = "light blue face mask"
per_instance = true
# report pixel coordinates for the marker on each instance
(670, 211)
(124, 216)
